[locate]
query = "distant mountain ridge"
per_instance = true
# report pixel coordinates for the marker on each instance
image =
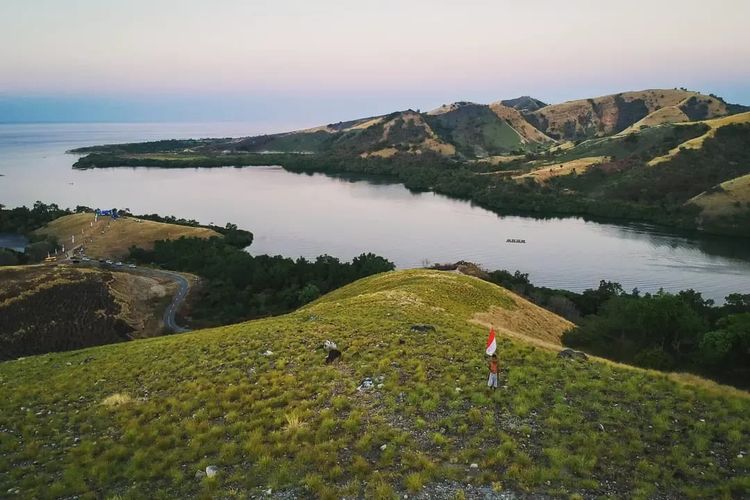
(512, 126)
(644, 155)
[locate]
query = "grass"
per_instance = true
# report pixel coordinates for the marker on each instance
(109, 238)
(289, 422)
(730, 197)
(697, 142)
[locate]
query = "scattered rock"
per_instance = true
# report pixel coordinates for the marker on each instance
(474, 466)
(333, 355)
(572, 354)
(268, 353)
(383, 447)
(269, 491)
(366, 385)
(422, 328)
(200, 475)
(211, 471)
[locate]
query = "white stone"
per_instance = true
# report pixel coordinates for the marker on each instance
(382, 448)
(211, 471)
(474, 466)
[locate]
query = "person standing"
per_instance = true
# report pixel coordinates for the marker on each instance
(492, 381)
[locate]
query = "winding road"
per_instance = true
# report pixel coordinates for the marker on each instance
(177, 300)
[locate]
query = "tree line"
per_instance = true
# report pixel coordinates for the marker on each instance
(664, 331)
(238, 286)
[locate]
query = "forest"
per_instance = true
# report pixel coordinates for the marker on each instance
(238, 286)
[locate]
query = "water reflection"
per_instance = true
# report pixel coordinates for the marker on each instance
(310, 214)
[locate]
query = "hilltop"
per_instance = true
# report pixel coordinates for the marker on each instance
(636, 156)
(111, 238)
(405, 411)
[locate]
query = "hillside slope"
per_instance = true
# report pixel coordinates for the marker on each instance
(404, 411)
(610, 114)
(46, 308)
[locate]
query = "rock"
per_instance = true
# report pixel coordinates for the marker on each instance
(333, 355)
(572, 354)
(268, 353)
(269, 491)
(366, 385)
(422, 328)
(211, 471)
(330, 345)
(383, 447)
(474, 466)
(601, 427)
(200, 475)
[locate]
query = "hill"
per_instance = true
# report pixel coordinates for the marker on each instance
(610, 114)
(405, 411)
(46, 308)
(107, 238)
(591, 157)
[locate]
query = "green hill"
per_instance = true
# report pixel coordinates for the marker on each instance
(256, 400)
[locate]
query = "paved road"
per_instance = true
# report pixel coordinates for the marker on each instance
(183, 287)
(177, 300)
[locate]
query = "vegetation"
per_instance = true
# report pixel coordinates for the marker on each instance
(46, 308)
(239, 286)
(23, 221)
(489, 154)
(662, 331)
(256, 400)
(671, 332)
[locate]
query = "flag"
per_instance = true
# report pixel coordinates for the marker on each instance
(491, 343)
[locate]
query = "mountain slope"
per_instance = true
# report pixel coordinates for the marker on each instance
(610, 114)
(404, 411)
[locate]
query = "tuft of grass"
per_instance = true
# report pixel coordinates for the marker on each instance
(302, 428)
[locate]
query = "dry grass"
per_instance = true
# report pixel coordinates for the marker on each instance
(525, 321)
(670, 114)
(109, 238)
(142, 300)
(605, 118)
(117, 399)
(380, 153)
(697, 142)
(578, 166)
(527, 132)
(733, 197)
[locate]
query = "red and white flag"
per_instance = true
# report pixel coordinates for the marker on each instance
(491, 343)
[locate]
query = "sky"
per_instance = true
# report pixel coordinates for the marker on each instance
(291, 63)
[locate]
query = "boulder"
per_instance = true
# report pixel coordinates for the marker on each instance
(211, 471)
(572, 354)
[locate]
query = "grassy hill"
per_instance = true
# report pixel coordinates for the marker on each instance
(107, 238)
(610, 114)
(141, 419)
(46, 308)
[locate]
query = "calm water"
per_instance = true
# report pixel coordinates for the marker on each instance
(307, 215)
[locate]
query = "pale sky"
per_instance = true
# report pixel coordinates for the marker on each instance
(310, 61)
